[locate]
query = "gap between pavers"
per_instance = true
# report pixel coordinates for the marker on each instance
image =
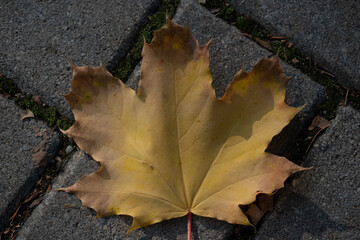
(18, 171)
(36, 37)
(60, 214)
(323, 203)
(326, 30)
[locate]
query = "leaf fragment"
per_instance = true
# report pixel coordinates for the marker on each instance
(266, 202)
(319, 122)
(263, 43)
(254, 213)
(295, 60)
(41, 158)
(27, 114)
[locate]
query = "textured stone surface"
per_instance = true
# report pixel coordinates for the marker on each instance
(61, 216)
(326, 30)
(229, 51)
(323, 202)
(18, 172)
(37, 36)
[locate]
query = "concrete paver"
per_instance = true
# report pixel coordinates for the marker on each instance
(326, 30)
(18, 139)
(37, 36)
(323, 203)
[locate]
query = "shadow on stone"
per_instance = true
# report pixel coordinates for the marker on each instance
(298, 217)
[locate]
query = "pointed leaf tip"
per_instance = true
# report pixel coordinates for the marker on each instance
(70, 62)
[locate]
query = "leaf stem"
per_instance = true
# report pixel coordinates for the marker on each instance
(189, 215)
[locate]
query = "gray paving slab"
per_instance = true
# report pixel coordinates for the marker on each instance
(323, 203)
(38, 34)
(18, 171)
(60, 215)
(326, 30)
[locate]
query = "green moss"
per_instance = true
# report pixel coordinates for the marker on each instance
(250, 27)
(327, 81)
(328, 108)
(227, 13)
(45, 113)
(214, 4)
(63, 124)
(292, 53)
(126, 65)
(8, 87)
(276, 45)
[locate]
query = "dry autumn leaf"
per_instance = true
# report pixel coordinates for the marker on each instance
(266, 202)
(319, 122)
(255, 214)
(27, 114)
(173, 148)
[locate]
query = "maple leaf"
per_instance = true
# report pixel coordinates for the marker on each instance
(173, 148)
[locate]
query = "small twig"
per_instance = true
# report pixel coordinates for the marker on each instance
(279, 38)
(325, 72)
(319, 122)
(313, 139)
(15, 214)
(278, 51)
(285, 56)
(346, 96)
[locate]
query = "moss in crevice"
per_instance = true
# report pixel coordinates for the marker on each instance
(328, 108)
(126, 65)
(8, 87)
(248, 25)
(226, 12)
(41, 111)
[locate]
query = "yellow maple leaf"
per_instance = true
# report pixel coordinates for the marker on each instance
(173, 148)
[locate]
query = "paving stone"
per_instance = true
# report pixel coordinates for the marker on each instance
(65, 218)
(61, 216)
(323, 203)
(326, 30)
(18, 172)
(37, 36)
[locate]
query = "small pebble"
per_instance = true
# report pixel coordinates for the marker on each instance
(69, 149)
